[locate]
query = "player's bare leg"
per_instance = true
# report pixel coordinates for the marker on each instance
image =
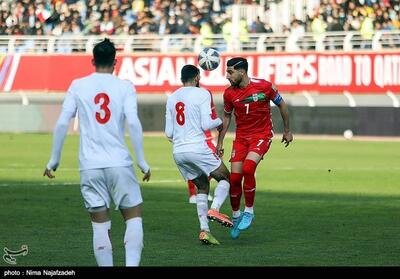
(249, 186)
(221, 174)
(203, 186)
(102, 246)
(133, 239)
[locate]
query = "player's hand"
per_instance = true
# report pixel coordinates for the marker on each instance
(146, 176)
(48, 173)
(287, 138)
(219, 150)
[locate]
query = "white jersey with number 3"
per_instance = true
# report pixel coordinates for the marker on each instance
(188, 115)
(103, 101)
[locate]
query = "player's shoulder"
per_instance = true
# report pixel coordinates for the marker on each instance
(264, 85)
(78, 83)
(124, 81)
(126, 84)
(261, 82)
(195, 91)
(81, 80)
(203, 91)
(229, 90)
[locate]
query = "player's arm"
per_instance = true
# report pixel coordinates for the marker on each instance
(207, 122)
(226, 121)
(60, 131)
(169, 126)
(136, 134)
(287, 136)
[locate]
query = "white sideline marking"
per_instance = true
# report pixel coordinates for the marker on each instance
(352, 102)
(25, 100)
(13, 71)
(12, 167)
(395, 101)
(77, 183)
(310, 100)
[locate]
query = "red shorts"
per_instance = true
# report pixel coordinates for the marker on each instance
(242, 147)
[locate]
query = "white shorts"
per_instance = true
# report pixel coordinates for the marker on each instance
(119, 184)
(192, 165)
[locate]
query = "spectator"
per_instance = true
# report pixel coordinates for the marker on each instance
(258, 26)
(207, 33)
(318, 27)
(24, 17)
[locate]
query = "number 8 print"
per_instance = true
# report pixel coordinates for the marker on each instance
(180, 116)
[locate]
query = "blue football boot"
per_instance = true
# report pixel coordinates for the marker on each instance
(235, 232)
(245, 223)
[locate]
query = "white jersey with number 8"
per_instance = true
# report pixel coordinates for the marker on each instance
(188, 115)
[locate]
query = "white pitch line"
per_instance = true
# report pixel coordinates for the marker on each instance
(76, 183)
(310, 100)
(395, 101)
(25, 100)
(352, 102)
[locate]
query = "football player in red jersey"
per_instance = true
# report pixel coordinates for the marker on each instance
(248, 99)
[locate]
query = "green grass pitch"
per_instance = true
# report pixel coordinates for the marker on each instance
(306, 215)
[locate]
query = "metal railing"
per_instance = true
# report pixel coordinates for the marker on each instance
(275, 42)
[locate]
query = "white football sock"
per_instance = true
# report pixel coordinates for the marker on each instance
(236, 214)
(220, 194)
(133, 241)
(202, 210)
(249, 210)
(101, 243)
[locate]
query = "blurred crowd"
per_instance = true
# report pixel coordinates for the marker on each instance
(112, 17)
(365, 16)
(207, 17)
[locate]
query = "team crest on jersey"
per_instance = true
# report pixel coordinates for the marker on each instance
(254, 98)
(233, 153)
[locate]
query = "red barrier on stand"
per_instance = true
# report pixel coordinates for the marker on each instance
(355, 72)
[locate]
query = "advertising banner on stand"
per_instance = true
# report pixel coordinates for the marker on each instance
(330, 72)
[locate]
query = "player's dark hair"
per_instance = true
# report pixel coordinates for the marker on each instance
(188, 73)
(104, 53)
(238, 63)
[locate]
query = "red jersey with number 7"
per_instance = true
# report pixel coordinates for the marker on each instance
(251, 106)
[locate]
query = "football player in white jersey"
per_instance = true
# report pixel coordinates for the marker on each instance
(104, 102)
(188, 115)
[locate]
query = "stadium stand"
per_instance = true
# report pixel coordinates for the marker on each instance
(72, 25)
(256, 28)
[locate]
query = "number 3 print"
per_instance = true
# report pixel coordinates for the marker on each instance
(105, 100)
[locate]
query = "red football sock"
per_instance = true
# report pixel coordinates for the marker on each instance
(192, 188)
(236, 190)
(249, 184)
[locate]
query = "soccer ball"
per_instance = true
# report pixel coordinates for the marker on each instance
(348, 134)
(209, 59)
